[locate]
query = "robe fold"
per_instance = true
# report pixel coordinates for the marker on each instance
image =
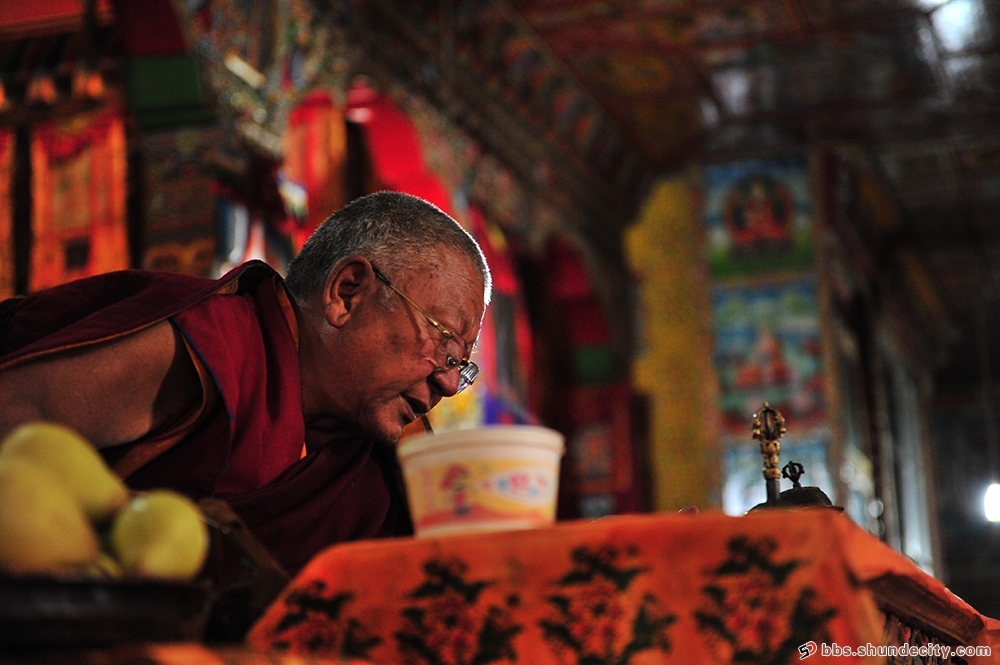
(247, 448)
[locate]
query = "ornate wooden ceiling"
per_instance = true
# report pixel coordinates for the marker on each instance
(622, 91)
(588, 101)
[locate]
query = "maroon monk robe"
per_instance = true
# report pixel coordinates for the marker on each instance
(246, 451)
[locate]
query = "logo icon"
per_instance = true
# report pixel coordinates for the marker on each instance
(807, 649)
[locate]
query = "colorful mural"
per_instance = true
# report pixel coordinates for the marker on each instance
(758, 215)
(768, 347)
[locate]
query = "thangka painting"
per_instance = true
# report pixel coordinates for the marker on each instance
(78, 198)
(768, 347)
(758, 215)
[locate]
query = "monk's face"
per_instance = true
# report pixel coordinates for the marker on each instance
(397, 376)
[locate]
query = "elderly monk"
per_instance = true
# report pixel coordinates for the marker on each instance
(283, 397)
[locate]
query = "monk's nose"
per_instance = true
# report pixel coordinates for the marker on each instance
(446, 381)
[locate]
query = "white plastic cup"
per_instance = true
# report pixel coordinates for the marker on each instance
(492, 478)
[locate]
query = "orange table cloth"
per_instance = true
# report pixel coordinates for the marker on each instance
(704, 588)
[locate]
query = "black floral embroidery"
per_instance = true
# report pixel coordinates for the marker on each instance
(447, 624)
(313, 620)
(750, 609)
(590, 622)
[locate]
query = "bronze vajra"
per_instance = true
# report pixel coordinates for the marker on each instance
(768, 426)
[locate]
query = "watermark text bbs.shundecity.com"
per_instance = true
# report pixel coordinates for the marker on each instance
(904, 650)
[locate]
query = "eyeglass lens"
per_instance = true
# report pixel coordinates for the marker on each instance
(467, 376)
(450, 353)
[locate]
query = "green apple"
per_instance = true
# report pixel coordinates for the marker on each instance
(159, 533)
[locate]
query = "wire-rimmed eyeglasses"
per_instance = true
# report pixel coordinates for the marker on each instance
(451, 352)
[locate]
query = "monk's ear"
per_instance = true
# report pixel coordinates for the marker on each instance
(349, 281)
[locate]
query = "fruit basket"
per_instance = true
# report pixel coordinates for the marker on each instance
(87, 562)
(238, 582)
(70, 612)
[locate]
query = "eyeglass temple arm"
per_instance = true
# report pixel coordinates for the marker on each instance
(434, 322)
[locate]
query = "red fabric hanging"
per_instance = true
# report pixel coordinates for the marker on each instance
(392, 140)
(395, 148)
(315, 150)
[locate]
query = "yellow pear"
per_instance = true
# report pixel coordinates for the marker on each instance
(160, 533)
(72, 459)
(42, 528)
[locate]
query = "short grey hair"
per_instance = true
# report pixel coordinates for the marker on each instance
(389, 229)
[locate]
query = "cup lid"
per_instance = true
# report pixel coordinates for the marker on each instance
(488, 435)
